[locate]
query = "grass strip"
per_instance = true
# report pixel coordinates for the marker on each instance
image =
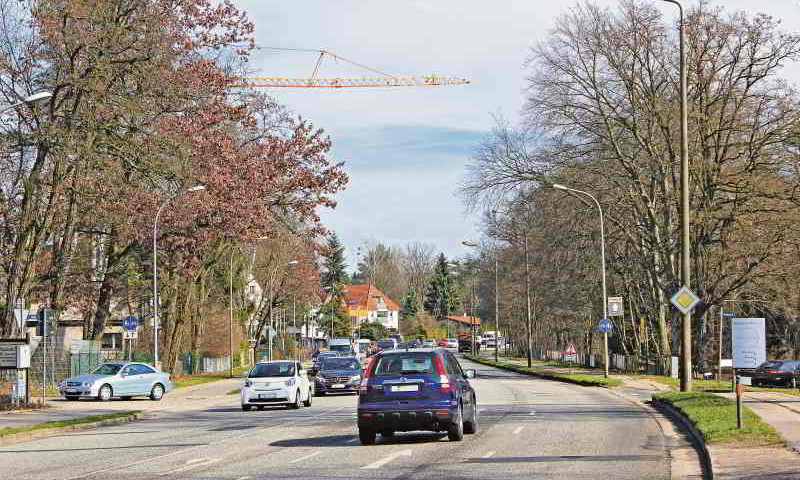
(65, 423)
(577, 378)
(201, 378)
(715, 418)
(717, 386)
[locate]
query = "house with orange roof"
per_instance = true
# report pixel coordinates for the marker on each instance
(368, 304)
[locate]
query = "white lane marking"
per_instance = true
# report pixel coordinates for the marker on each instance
(306, 457)
(533, 413)
(195, 460)
(387, 459)
(204, 463)
(353, 440)
(518, 429)
(243, 478)
(489, 454)
(158, 457)
(481, 410)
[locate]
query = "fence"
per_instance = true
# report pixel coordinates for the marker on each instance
(621, 363)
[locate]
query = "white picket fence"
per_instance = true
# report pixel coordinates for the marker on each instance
(219, 364)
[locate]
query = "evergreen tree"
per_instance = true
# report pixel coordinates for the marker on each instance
(441, 296)
(334, 319)
(411, 305)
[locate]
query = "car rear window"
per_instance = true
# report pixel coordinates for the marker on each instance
(386, 344)
(771, 365)
(405, 364)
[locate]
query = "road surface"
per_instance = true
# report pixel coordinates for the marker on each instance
(529, 428)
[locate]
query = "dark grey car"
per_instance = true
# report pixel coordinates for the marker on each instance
(777, 372)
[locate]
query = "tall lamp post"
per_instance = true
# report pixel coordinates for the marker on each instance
(602, 266)
(686, 325)
(155, 267)
(28, 100)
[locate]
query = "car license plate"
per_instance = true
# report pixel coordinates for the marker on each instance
(405, 388)
(70, 390)
(337, 385)
(266, 395)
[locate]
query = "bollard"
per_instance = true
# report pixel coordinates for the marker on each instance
(739, 391)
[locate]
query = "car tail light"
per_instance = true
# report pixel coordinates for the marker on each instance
(364, 388)
(444, 380)
(777, 371)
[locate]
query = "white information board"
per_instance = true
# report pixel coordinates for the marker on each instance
(749, 342)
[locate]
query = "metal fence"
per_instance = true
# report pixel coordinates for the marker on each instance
(621, 363)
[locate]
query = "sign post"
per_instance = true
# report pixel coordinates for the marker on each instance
(130, 324)
(570, 353)
(615, 307)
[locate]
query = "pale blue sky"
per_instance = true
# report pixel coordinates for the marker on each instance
(406, 148)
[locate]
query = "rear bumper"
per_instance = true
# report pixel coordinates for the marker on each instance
(405, 420)
(772, 380)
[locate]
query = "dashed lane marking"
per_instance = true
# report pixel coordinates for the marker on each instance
(306, 457)
(518, 429)
(387, 459)
(489, 454)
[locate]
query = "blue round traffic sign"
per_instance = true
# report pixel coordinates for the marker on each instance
(130, 322)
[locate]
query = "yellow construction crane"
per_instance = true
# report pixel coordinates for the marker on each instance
(313, 82)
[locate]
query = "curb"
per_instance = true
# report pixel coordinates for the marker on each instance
(537, 374)
(700, 441)
(48, 432)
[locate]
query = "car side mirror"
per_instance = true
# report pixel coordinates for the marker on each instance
(470, 373)
(124, 374)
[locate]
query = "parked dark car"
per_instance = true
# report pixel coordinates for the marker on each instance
(338, 374)
(414, 343)
(386, 344)
(777, 372)
(464, 345)
(423, 389)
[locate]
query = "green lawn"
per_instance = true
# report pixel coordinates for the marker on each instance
(64, 423)
(715, 417)
(582, 378)
(717, 385)
(201, 378)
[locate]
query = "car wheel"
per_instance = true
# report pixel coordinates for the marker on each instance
(472, 425)
(246, 408)
(105, 393)
(260, 407)
(72, 397)
(157, 393)
(387, 433)
(297, 402)
(307, 403)
(320, 393)
(126, 397)
(367, 437)
(455, 432)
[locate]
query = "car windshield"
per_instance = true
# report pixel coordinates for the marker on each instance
(386, 344)
(107, 369)
(282, 369)
(340, 348)
(405, 364)
(771, 365)
(340, 364)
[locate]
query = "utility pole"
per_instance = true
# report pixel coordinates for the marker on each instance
(529, 320)
(230, 323)
(686, 325)
(496, 309)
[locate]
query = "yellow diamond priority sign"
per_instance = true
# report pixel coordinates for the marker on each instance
(685, 300)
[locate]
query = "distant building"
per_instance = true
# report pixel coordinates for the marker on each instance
(367, 304)
(460, 323)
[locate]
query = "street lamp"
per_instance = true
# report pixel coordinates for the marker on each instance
(686, 325)
(294, 314)
(602, 266)
(496, 302)
(196, 188)
(28, 100)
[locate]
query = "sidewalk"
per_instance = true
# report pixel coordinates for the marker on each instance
(190, 398)
(781, 411)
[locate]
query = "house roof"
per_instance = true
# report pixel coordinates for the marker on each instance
(464, 319)
(367, 297)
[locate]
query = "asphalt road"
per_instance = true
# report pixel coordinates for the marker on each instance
(529, 428)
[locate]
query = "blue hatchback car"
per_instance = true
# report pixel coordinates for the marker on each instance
(422, 389)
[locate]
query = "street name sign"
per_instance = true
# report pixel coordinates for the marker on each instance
(130, 335)
(685, 300)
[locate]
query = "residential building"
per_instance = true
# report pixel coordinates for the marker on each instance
(367, 304)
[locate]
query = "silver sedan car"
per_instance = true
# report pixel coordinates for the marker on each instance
(118, 379)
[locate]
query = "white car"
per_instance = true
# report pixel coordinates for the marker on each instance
(270, 383)
(452, 343)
